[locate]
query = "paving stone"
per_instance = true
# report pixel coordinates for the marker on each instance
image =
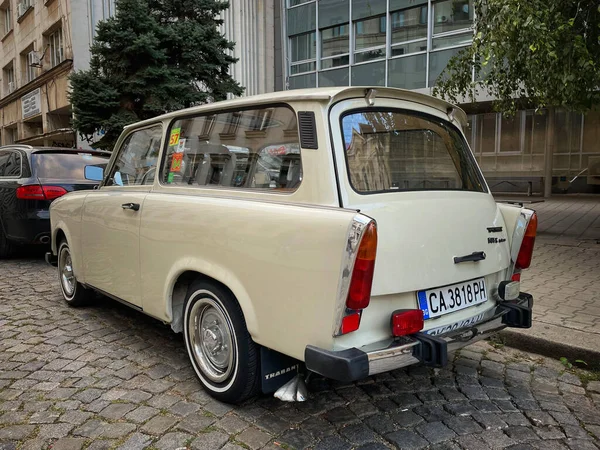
(333, 443)
(463, 425)
(217, 408)
(172, 441)
(232, 424)
(75, 417)
(497, 439)
(137, 441)
(253, 438)
(521, 434)
(142, 414)
(358, 434)
(184, 408)
(69, 444)
(209, 441)
(159, 424)
(340, 415)
(116, 410)
(296, 439)
(472, 442)
(549, 432)
(406, 440)
(540, 418)
(436, 432)
(16, 432)
(269, 422)
(196, 422)
(406, 419)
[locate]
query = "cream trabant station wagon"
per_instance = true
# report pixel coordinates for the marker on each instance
(344, 232)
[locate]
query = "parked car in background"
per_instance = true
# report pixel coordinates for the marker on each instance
(341, 231)
(30, 179)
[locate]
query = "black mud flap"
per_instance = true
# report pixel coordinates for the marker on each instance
(517, 316)
(276, 369)
(432, 351)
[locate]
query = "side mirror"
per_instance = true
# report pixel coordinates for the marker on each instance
(94, 173)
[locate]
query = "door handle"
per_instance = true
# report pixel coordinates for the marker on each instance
(475, 256)
(132, 206)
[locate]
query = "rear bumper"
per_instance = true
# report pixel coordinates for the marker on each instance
(354, 363)
(32, 229)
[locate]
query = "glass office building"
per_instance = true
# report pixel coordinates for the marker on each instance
(397, 43)
(407, 44)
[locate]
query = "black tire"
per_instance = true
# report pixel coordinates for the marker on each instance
(73, 291)
(233, 381)
(6, 247)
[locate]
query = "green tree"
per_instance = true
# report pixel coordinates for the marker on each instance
(539, 53)
(152, 57)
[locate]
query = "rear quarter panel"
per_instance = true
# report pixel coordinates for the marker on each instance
(281, 261)
(65, 216)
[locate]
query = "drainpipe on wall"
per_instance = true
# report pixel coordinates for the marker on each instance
(550, 140)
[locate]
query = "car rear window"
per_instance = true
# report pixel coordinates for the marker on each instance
(396, 150)
(65, 166)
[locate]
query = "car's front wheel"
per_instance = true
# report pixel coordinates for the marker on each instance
(221, 351)
(73, 292)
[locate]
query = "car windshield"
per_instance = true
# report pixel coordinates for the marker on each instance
(65, 166)
(395, 150)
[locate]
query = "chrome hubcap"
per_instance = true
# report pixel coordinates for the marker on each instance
(67, 277)
(211, 339)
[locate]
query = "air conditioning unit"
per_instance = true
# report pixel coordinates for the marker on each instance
(34, 59)
(593, 172)
(11, 86)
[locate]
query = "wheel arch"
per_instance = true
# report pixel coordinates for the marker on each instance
(181, 280)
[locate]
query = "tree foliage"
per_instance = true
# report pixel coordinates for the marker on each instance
(544, 53)
(152, 57)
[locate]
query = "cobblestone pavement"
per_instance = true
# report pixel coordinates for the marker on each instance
(106, 377)
(566, 284)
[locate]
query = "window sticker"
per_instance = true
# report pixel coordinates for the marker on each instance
(181, 146)
(174, 139)
(170, 177)
(176, 163)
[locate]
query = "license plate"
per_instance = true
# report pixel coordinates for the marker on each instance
(454, 297)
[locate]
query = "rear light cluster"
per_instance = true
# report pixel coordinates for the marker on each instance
(39, 192)
(526, 251)
(359, 292)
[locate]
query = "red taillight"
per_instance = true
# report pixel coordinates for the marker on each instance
(407, 321)
(34, 192)
(350, 323)
(526, 250)
(359, 293)
(52, 192)
(38, 192)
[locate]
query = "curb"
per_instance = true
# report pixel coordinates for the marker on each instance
(533, 342)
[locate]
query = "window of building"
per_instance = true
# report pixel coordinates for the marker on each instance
(298, 2)
(409, 25)
(333, 12)
(336, 77)
(6, 17)
(452, 15)
(303, 53)
(263, 152)
(335, 47)
(369, 39)
(138, 156)
(28, 70)
(510, 133)
(408, 72)
(8, 75)
(535, 132)
(55, 47)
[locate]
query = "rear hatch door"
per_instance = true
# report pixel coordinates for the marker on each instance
(441, 238)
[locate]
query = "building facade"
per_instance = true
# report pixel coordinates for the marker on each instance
(43, 41)
(407, 44)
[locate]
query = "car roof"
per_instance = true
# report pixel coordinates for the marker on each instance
(323, 95)
(32, 149)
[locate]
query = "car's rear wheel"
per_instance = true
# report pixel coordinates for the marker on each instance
(73, 292)
(6, 247)
(221, 351)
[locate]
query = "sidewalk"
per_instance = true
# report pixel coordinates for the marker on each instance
(565, 281)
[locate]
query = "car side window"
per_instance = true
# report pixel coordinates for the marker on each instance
(250, 149)
(137, 158)
(10, 164)
(13, 165)
(3, 160)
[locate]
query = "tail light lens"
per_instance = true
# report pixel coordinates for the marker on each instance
(526, 250)
(350, 323)
(359, 293)
(407, 321)
(39, 192)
